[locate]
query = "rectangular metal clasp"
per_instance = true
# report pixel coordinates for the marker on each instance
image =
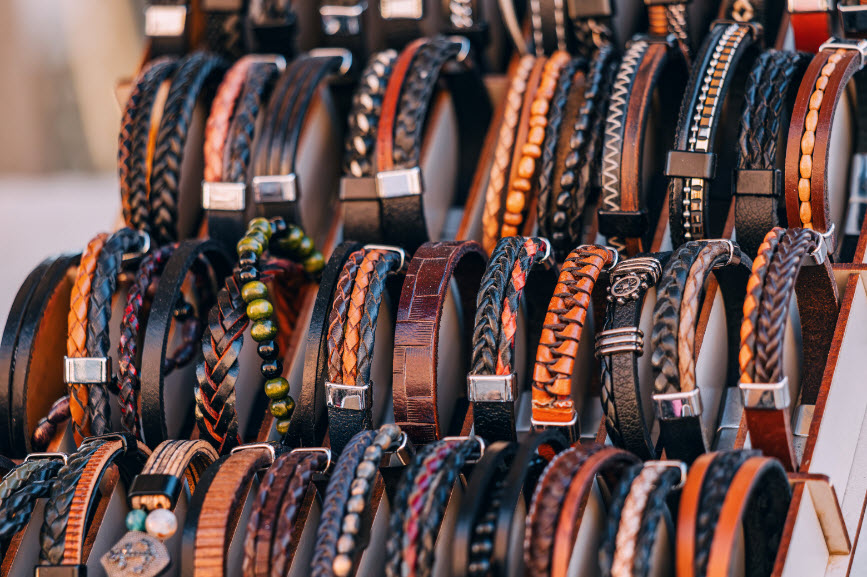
(401, 9)
(353, 397)
(670, 406)
(399, 183)
(87, 370)
(342, 20)
(165, 21)
(686, 164)
(768, 396)
(492, 388)
(280, 188)
(224, 196)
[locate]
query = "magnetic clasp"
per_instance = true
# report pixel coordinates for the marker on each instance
(685, 164)
(758, 182)
(399, 183)
(60, 571)
(224, 196)
(492, 388)
(358, 188)
(671, 406)
(624, 223)
(146, 485)
(766, 396)
(587, 9)
(86, 370)
(281, 188)
(353, 397)
(342, 19)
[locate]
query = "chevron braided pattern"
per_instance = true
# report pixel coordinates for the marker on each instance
(337, 317)
(220, 117)
(666, 316)
(194, 72)
(776, 296)
(388, 264)
(133, 141)
(352, 336)
(653, 515)
(615, 510)
(531, 253)
(503, 153)
(216, 374)
(237, 152)
(102, 291)
(18, 477)
(489, 304)
(53, 530)
(17, 508)
(606, 397)
(755, 286)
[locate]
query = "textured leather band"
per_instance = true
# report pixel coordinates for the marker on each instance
(416, 337)
(619, 494)
(183, 460)
(20, 489)
(220, 117)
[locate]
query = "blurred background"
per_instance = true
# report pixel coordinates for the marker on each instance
(60, 61)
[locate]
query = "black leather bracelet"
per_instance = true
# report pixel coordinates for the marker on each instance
(700, 179)
(272, 27)
(21, 488)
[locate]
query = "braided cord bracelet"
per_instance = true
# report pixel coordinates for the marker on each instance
(20, 489)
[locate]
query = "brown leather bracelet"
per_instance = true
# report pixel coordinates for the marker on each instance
(220, 117)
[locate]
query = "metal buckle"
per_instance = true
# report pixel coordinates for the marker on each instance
(399, 183)
(818, 255)
(670, 406)
(680, 465)
(625, 340)
(766, 396)
(547, 256)
(401, 9)
(853, 19)
(224, 196)
(734, 257)
(492, 388)
(570, 427)
(352, 397)
(479, 440)
(87, 370)
(809, 6)
(400, 456)
(277, 60)
(342, 19)
(165, 21)
(279, 188)
(327, 453)
(143, 249)
(389, 248)
(269, 447)
(841, 44)
(464, 51)
(51, 456)
(342, 53)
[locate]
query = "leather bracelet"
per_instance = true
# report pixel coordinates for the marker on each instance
(273, 27)
(281, 504)
(770, 96)
(73, 497)
(699, 178)
(408, 98)
(349, 394)
(630, 204)
(153, 496)
(548, 21)
(764, 388)
(725, 492)
(615, 515)
(808, 194)
(195, 76)
(552, 404)
(677, 401)
(415, 381)
(20, 489)
(767, 13)
(133, 141)
(619, 345)
(224, 29)
(493, 381)
(665, 18)
(177, 37)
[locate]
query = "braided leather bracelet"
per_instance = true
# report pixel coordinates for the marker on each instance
(20, 489)
(793, 263)
(770, 95)
(617, 502)
(631, 202)
(677, 400)
(561, 335)
(700, 180)
(153, 496)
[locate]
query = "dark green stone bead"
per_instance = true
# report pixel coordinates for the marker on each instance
(250, 244)
(314, 263)
(294, 238)
(280, 408)
(283, 426)
(307, 247)
(263, 330)
(260, 310)
(259, 236)
(277, 388)
(262, 224)
(254, 290)
(135, 520)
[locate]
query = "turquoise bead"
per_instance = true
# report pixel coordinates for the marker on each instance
(135, 520)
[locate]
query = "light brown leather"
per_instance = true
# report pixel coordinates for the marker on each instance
(687, 515)
(220, 117)
(180, 459)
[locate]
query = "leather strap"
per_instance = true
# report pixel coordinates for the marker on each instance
(549, 21)
(180, 460)
(768, 13)
(700, 178)
(19, 491)
(811, 29)
(670, 18)
(416, 338)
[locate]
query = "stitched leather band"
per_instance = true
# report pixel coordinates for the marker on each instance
(700, 178)
(133, 141)
(561, 334)
(770, 96)
(416, 336)
(498, 175)
(808, 148)
(196, 75)
(408, 98)
(630, 204)
(19, 491)
(620, 394)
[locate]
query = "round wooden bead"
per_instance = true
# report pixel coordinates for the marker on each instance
(536, 135)
(822, 83)
(314, 263)
(263, 331)
(521, 184)
(526, 167)
(804, 190)
(342, 565)
(513, 219)
(828, 69)
(306, 247)
(249, 243)
(276, 388)
(835, 58)
(806, 166)
(260, 309)
(816, 99)
(532, 150)
(279, 408)
(161, 523)
(539, 108)
(515, 202)
(254, 290)
(261, 224)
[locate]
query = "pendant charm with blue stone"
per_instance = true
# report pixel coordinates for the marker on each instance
(136, 555)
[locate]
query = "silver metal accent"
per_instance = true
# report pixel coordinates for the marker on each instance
(277, 60)
(342, 53)
(818, 255)
(327, 453)
(280, 188)
(87, 370)
(734, 257)
(677, 405)
(802, 420)
(840, 44)
(224, 196)
(547, 255)
(269, 447)
(570, 427)
(492, 388)
(803, 6)
(464, 52)
(400, 456)
(628, 278)
(399, 183)
(401, 9)
(342, 19)
(625, 340)
(766, 396)
(479, 440)
(144, 247)
(165, 21)
(389, 248)
(52, 455)
(353, 397)
(680, 465)
(137, 554)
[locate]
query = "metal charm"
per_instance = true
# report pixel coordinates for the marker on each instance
(136, 555)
